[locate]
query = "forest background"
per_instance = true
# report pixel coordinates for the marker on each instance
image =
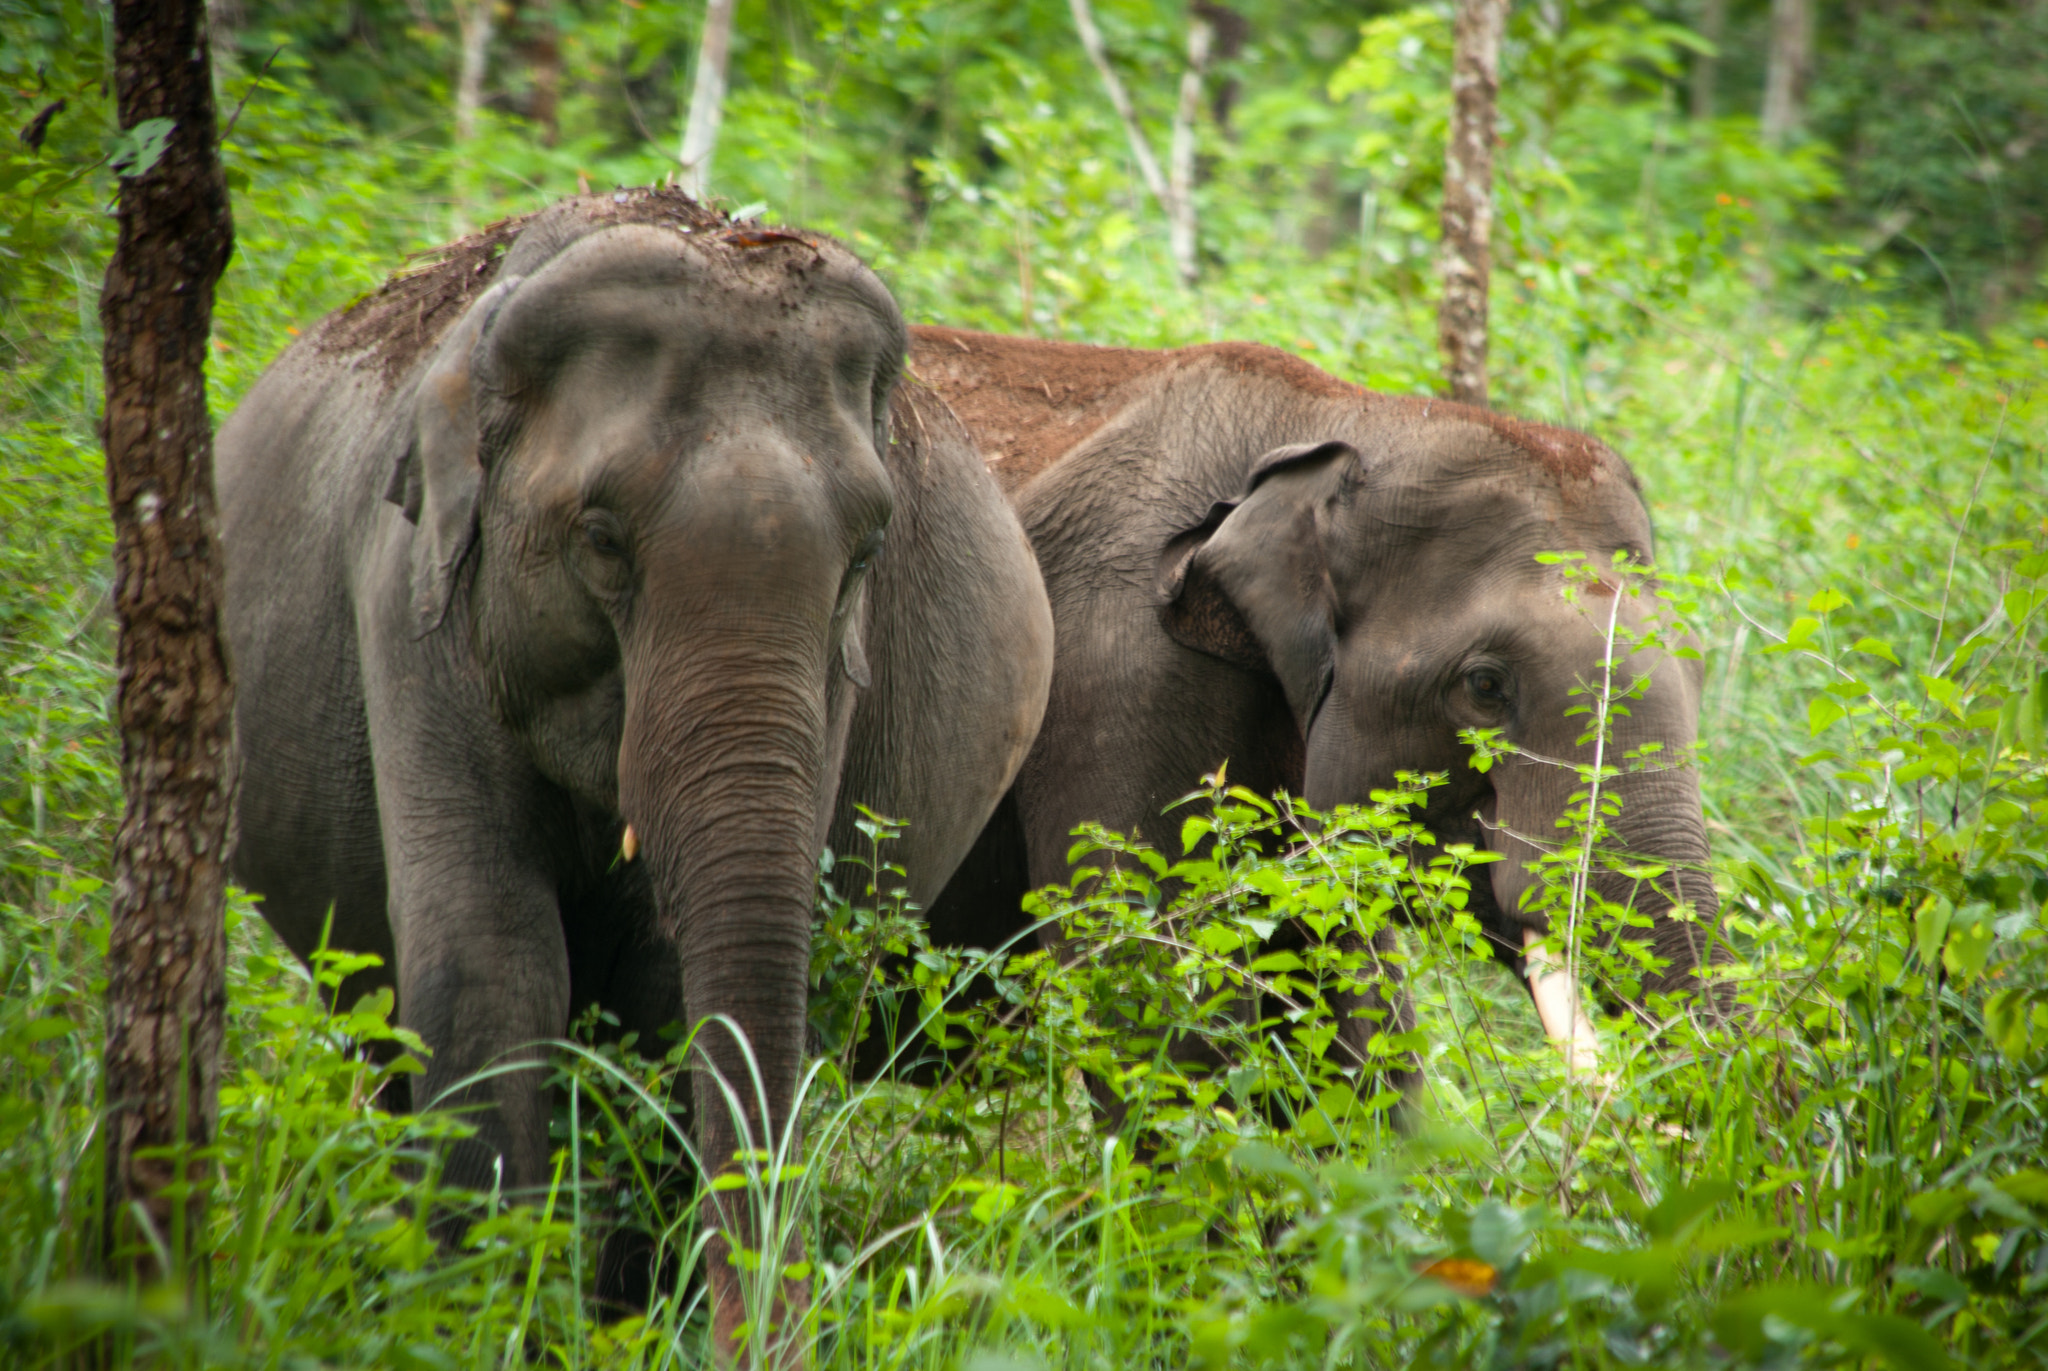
(1823, 350)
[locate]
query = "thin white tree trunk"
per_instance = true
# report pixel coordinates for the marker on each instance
(474, 19)
(1176, 195)
(1180, 183)
(707, 100)
(1706, 67)
(1468, 196)
(1790, 63)
(1141, 147)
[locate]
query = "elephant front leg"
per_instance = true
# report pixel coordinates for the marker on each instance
(1372, 999)
(483, 979)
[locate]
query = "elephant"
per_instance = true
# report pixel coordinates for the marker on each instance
(1252, 562)
(578, 588)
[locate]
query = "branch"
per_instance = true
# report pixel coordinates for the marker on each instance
(1148, 165)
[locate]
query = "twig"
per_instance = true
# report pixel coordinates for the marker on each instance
(1141, 147)
(250, 90)
(1949, 578)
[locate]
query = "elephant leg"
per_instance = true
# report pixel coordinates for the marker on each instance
(474, 847)
(640, 984)
(980, 907)
(1375, 1001)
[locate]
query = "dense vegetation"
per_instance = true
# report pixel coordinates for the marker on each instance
(1826, 361)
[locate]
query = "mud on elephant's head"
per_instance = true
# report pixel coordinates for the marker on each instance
(1392, 585)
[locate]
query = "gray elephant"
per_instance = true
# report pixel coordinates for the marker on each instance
(611, 531)
(1251, 561)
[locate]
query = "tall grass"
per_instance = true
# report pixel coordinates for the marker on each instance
(1850, 515)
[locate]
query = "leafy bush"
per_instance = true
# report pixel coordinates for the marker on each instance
(1849, 499)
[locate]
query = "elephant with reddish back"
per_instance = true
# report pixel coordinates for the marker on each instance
(1252, 562)
(612, 529)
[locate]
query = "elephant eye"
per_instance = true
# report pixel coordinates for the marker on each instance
(603, 534)
(1488, 684)
(869, 546)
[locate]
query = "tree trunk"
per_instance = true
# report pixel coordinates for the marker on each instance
(166, 985)
(1468, 196)
(1176, 195)
(475, 20)
(707, 100)
(1180, 208)
(1789, 65)
(1706, 67)
(541, 47)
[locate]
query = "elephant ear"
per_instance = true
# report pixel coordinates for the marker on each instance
(438, 476)
(1250, 585)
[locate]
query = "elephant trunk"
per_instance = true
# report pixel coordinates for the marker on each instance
(723, 770)
(1659, 823)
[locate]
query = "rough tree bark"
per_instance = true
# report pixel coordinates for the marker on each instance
(1789, 64)
(707, 100)
(166, 987)
(1468, 196)
(1175, 191)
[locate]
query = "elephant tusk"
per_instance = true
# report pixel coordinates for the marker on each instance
(1558, 1006)
(629, 846)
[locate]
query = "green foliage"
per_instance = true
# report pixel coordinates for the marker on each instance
(1849, 499)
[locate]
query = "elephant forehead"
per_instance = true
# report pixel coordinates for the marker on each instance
(643, 288)
(607, 435)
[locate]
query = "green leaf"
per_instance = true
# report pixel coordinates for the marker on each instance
(1264, 1159)
(1821, 711)
(1497, 1234)
(2030, 1186)
(2008, 1018)
(1739, 1323)
(1932, 1282)
(1940, 689)
(134, 151)
(1677, 1210)
(1938, 1208)
(1930, 927)
(1827, 601)
(1876, 647)
(995, 1202)
(1801, 632)
(1969, 945)
(2019, 603)
(42, 1030)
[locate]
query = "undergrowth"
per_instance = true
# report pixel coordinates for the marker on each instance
(1850, 507)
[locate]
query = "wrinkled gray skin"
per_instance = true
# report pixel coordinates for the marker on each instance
(631, 544)
(1252, 562)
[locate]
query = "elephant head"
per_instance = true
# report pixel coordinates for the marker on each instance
(1394, 590)
(646, 476)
